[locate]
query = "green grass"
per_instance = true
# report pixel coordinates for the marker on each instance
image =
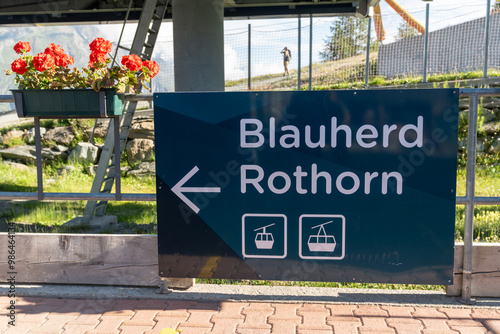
(323, 284)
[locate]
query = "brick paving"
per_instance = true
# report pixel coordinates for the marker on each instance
(68, 316)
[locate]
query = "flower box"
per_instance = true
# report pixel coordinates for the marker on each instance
(68, 103)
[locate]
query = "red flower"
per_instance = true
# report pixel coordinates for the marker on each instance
(64, 60)
(153, 67)
(100, 45)
(22, 47)
(19, 66)
(54, 50)
(97, 57)
(43, 61)
(132, 62)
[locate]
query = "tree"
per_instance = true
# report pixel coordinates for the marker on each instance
(348, 39)
(405, 31)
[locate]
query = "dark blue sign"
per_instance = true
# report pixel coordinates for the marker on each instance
(347, 186)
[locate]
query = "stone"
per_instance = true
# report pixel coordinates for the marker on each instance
(143, 169)
(91, 169)
(491, 128)
(25, 153)
(99, 131)
(61, 135)
(66, 170)
(495, 146)
(462, 146)
(18, 166)
(60, 148)
(480, 146)
(53, 154)
(30, 135)
(139, 150)
(143, 129)
(11, 135)
(83, 153)
(488, 115)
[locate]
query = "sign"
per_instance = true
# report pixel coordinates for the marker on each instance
(346, 186)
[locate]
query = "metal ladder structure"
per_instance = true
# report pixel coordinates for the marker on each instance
(142, 45)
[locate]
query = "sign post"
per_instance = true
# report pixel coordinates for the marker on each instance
(347, 186)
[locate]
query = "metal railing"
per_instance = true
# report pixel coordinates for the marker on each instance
(469, 200)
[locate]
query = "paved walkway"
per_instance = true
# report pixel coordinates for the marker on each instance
(93, 316)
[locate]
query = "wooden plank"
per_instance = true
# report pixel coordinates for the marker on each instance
(486, 273)
(126, 260)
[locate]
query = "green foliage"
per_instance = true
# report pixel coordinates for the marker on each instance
(9, 141)
(405, 31)
(348, 39)
(323, 284)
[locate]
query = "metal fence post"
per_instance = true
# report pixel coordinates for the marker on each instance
(486, 38)
(310, 49)
(249, 57)
(426, 40)
(299, 46)
(469, 207)
(367, 65)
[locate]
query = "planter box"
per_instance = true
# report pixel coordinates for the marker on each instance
(68, 103)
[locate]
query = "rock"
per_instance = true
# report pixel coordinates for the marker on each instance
(24, 152)
(83, 153)
(462, 146)
(480, 146)
(61, 135)
(143, 129)
(60, 148)
(139, 150)
(495, 146)
(19, 166)
(30, 135)
(99, 131)
(10, 136)
(489, 115)
(66, 170)
(143, 169)
(53, 153)
(492, 127)
(15, 134)
(90, 170)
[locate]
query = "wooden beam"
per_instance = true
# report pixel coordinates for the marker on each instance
(486, 273)
(84, 259)
(132, 260)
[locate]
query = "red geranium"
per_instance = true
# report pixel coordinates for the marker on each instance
(54, 50)
(132, 62)
(22, 47)
(43, 61)
(48, 70)
(97, 58)
(64, 60)
(19, 66)
(152, 66)
(100, 45)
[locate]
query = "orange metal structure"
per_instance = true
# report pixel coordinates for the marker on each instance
(379, 27)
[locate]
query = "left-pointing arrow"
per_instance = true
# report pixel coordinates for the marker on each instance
(178, 189)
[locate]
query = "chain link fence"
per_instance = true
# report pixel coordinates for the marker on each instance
(393, 42)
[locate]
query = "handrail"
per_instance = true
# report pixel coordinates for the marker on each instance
(127, 97)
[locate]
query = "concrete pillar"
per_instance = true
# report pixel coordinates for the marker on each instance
(198, 58)
(198, 27)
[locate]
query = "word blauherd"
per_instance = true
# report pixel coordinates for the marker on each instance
(309, 179)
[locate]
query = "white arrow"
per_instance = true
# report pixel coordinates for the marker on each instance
(178, 189)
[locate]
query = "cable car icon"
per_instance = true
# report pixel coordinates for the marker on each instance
(321, 242)
(264, 240)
